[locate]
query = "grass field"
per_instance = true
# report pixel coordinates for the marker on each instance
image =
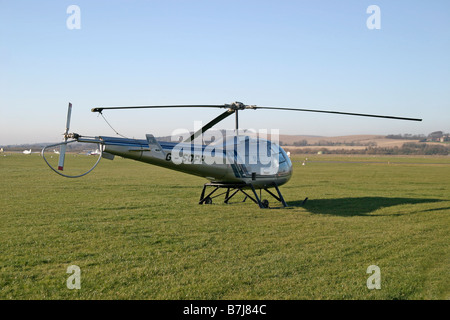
(137, 232)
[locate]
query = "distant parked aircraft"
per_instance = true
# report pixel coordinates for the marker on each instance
(94, 153)
(27, 151)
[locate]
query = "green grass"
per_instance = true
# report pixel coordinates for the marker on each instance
(137, 232)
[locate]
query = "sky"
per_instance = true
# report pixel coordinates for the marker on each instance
(291, 54)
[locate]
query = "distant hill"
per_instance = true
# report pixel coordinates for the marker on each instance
(350, 140)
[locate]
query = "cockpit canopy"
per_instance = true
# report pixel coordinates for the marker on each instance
(253, 155)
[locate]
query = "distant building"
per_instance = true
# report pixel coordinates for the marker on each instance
(445, 138)
(435, 136)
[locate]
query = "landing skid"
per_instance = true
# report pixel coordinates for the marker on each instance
(233, 189)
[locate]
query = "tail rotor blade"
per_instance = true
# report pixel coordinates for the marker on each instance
(69, 114)
(62, 151)
(62, 155)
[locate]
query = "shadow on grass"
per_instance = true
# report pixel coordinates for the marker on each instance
(355, 206)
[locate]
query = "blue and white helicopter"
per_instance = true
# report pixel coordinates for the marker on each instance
(235, 163)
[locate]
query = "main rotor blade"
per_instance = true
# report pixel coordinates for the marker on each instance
(100, 109)
(338, 112)
(210, 124)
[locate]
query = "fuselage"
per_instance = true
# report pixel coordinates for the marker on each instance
(236, 160)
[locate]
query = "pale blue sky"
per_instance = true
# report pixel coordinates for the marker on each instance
(298, 54)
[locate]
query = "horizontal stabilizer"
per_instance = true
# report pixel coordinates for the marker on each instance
(155, 148)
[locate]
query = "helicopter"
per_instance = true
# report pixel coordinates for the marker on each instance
(234, 163)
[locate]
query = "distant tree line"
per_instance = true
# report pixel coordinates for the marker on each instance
(72, 147)
(304, 143)
(407, 136)
(410, 148)
(434, 136)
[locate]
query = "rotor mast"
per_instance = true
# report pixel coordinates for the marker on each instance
(237, 123)
(236, 106)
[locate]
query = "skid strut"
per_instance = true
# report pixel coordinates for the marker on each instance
(247, 189)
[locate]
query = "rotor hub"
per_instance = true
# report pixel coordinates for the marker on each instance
(237, 106)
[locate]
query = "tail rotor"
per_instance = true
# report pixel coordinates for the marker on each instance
(70, 138)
